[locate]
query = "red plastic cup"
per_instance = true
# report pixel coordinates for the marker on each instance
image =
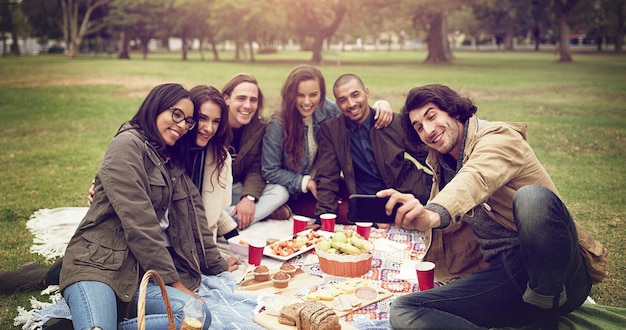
(299, 223)
(255, 252)
(364, 229)
(328, 222)
(425, 275)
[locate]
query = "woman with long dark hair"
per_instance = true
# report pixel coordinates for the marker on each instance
(290, 141)
(146, 214)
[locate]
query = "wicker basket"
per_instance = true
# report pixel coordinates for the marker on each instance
(141, 303)
(344, 265)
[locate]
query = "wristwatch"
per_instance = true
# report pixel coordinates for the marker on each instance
(250, 197)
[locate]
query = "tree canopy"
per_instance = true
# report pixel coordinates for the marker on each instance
(266, 25)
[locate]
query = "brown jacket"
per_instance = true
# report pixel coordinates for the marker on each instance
(497, 161)
(119, 238)
(389, 147)
(247, 164)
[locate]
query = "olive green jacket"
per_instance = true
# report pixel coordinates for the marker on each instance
(120, 237)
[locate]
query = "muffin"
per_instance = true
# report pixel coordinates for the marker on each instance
(261, 273)
(281, 280)
(289, 269)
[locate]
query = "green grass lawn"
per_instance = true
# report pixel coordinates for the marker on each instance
(58, 116)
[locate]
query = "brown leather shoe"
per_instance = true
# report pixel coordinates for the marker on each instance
(281, 213)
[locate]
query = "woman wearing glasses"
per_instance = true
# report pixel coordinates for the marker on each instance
(146, 214)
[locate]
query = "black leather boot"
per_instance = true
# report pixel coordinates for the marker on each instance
(28, 278)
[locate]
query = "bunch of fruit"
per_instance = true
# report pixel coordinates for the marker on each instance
(345, 242)
(301, 242)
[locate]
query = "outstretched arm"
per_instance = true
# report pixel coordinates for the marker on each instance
(411, 214)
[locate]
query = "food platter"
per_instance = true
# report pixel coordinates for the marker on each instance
(346, 297)
(294, 245)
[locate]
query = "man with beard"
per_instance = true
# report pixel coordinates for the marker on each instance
(487, 176)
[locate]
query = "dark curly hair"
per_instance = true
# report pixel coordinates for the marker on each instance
(444, 97)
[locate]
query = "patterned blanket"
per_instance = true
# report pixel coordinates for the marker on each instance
(395, 254)
(234, 309)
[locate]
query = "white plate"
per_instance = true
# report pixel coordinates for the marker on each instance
(267, 251)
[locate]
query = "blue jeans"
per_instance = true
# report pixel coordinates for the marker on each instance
(94, 303)
(272, 197)
(534, 283)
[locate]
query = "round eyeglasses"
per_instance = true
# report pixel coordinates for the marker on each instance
(178, 116)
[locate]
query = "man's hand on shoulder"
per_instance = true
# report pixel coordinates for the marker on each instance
(384, 114)
(92, 192)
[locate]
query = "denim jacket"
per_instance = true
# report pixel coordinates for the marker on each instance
(275, 165)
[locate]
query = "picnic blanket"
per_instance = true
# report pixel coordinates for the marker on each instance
(396, 251)
(230, 308)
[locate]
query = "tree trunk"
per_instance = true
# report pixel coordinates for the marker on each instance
(73, 31)
(216, 54)
(238, 50)
(537, 36)
(15, 47)
(122, 46)
(251, 46)
(564, 9)
(70, 22)
(318, 43)
(327, 32)
(201, 45)
(619, 33)
(508, 42)
(144, 47)
(565, 53)
(144, 51)
(184, 47)
(72, 49)
(509, 38)
(238, 45)
(438, 45)
(98, 45)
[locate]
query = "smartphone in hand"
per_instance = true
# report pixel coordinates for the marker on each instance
(369, 208)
